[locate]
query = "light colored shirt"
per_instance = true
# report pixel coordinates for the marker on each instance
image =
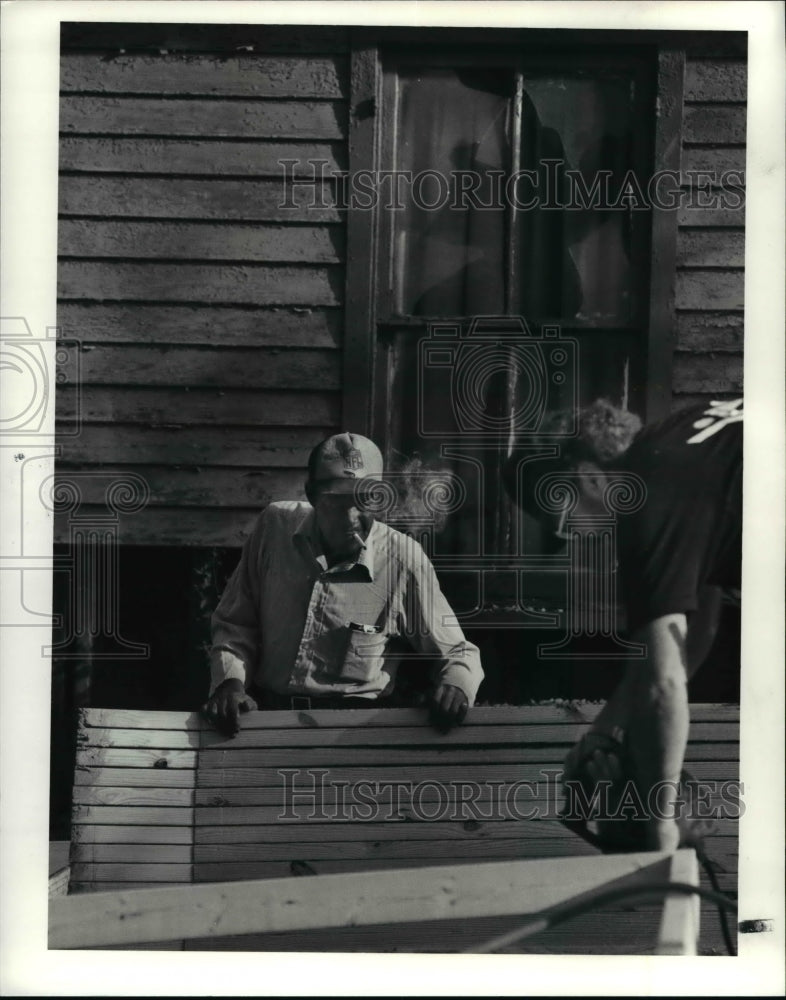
(292, 624)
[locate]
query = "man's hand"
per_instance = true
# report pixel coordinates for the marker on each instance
(448, 707)
(224, 706)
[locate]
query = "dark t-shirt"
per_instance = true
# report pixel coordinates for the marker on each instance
(688, 532)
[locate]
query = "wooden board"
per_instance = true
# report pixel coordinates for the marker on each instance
(272, 449)
(707, 123)
(233, 367)
(206, 241)
(262, 119)
(174, 526)
(198, 157)
(494, 888)
(715, 80)
(193, 486)
(249, 284)
(708, 373)
(707, 248)
(710, 331)
(576, 713)
(716, 289)
(109, 38)
(246, 76)
(282, 326)
(248, 200)
(186, 406)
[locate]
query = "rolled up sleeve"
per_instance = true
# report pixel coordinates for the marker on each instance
(432, 628)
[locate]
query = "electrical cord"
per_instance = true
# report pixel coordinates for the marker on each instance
(706, 864)
(559, 914)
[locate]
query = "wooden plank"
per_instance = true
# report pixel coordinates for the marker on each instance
(215, 326)
(730, 214)
(704, 332)
(132, 816)
(229, 860)
(245, 75)
(197, 487)
(174, 526)
(274, 448)
(262, 119)
(143, 758)
(720, 160)
(112, 37)
(170, 739)
(194, 241)
(231, 367)
(705, 248)
(575, 712)
(96, 834)
(174, 407)
(189, 198)
(124, 718)
(428, 741)
(714, 290)
(249, 284)
(679, 927)
(446, 832)
(698, 373)
(494, 888)
(187, 157)
(401, 755)
(100, 795)
(128, 777)
(716, 80)
(127, 854)
(721, 125)
(141, 872)
(660, 324)
(238, 776)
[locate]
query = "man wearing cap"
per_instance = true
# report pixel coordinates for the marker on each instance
(324, 600)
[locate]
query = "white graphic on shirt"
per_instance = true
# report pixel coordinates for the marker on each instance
(719, 414)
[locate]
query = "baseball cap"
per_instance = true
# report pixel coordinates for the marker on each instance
(344, 460)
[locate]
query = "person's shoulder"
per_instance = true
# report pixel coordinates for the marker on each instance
(402, 547)
(282, 514)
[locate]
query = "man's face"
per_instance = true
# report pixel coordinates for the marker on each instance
(340, 516)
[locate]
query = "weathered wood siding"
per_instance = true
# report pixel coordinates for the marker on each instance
(708, 358)
(210, 317)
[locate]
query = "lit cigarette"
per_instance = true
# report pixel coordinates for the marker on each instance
(358, 539)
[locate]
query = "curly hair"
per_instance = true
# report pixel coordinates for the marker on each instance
(603, 435)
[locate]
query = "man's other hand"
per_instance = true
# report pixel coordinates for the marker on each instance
(448, 707)
(224, 706)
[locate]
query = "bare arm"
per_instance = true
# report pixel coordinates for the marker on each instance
(657, 733)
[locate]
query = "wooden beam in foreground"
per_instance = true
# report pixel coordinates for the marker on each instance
(142, 916)
(679, 925)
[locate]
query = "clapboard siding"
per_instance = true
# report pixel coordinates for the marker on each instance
(199, 118)
(89, 73)
(165, 240)
(173, 407)
(247, 200)
(248, 284)
(287, 447)
(709, 293)
(206, 295)
(195, 157)
(290, 326)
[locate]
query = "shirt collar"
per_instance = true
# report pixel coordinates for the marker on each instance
(308, 541)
